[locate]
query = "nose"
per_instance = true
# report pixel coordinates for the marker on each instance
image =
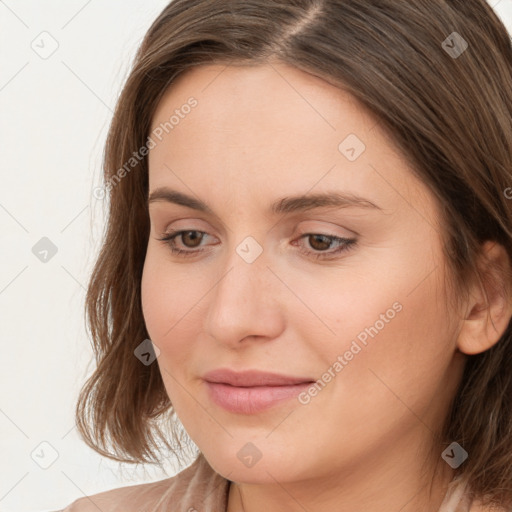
(245, 303)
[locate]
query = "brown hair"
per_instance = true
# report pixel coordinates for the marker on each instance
(450, 115)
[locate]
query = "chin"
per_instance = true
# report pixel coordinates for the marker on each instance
(246, 465)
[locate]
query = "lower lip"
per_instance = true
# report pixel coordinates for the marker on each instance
(251, 400)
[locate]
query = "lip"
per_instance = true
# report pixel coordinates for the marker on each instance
(250, 378)
(252, 391)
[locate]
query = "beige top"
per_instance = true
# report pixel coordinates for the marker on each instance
(198, 488)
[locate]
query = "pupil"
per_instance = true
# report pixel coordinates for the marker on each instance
(325, 245)
(187, 234)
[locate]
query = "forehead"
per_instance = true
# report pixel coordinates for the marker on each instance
(274, 94)
(272, 129)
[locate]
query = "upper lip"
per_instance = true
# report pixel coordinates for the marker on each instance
(250, 378)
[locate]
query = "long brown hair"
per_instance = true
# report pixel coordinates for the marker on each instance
(449, 113)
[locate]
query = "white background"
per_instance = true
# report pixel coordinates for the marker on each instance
(54, 116)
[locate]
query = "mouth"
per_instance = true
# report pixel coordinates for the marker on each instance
(252, 391)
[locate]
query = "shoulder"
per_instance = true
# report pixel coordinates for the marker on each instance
(478, 506)
(459, 498)
(134, 497)
(196, 487)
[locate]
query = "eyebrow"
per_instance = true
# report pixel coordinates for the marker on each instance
(284, 205)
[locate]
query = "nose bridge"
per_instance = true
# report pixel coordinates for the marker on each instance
(243, 283)
(243, 301)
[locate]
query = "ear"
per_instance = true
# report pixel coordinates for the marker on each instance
(485, 322)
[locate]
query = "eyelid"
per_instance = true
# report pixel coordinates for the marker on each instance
(162, 222)
(332, 229)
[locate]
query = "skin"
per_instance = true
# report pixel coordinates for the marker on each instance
(258, 134)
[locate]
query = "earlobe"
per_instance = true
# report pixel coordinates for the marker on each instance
(486, 320)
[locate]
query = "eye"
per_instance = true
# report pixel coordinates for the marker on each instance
(319, 242)
(187, 236)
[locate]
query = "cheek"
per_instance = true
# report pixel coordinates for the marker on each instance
(154, 295)
(387, 317)
(171, 306)
(387, 365)
(162, 307)
(161, 292)
(395, 346)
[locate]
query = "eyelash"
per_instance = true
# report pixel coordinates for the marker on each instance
(347, 244)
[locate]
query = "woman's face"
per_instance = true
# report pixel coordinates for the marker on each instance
(264, 284)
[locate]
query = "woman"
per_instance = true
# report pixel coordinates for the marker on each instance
(307, 260)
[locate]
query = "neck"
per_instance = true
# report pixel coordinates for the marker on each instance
(381, 484)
